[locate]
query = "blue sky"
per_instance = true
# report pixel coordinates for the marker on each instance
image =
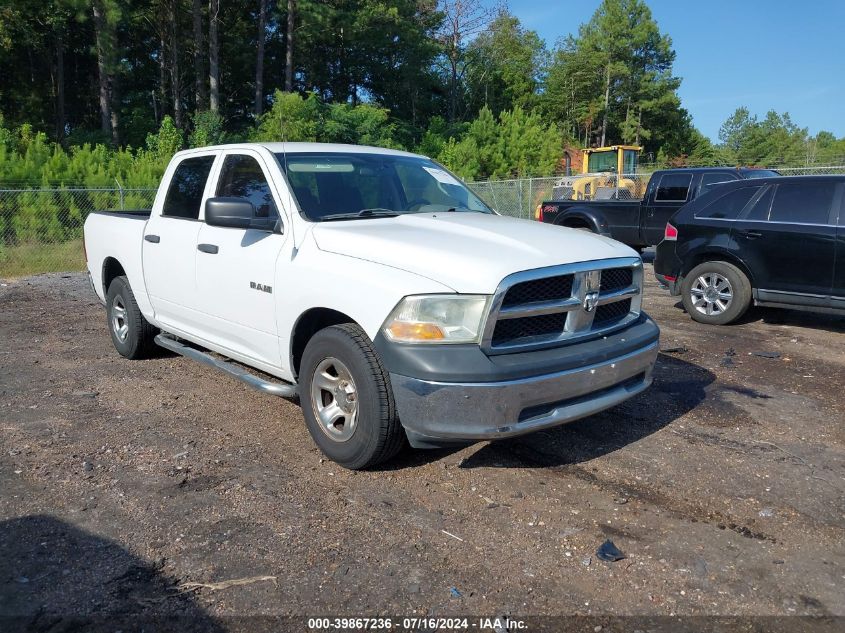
(774, 55)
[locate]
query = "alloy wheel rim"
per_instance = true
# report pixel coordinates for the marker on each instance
(119, 323)
(334, 399)
(711, 294)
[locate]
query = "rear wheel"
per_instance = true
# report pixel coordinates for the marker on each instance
(131, 333)
(717, 293)
(347, 400)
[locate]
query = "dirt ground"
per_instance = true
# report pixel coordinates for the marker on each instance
(123, 482)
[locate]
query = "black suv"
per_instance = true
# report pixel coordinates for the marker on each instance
(777, 241)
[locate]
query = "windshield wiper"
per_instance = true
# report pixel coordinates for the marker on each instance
(443, 208)
(363, 213)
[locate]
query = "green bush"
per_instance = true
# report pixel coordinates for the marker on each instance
(297, 118)
(46, 191)
(517, 145)
(208, 129)
(59, 187)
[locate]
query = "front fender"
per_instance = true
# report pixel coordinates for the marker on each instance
(364, 291)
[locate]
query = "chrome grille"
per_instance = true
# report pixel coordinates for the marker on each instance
(616, 278)
(553, 306)
(611, 312)
(510, 330)
(546, 289)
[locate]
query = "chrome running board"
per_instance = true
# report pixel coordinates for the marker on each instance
(283, 390)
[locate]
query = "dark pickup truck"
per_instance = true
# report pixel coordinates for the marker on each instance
(640, 223)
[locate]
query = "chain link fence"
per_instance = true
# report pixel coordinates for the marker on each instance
(520, 197)
(810, 171)
(41, 229)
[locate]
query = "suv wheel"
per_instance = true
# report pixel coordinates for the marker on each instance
(717, 293)
(347, 400)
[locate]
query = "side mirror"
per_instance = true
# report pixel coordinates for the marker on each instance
(235, 213)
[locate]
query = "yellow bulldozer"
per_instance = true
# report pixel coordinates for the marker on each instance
(603, 173)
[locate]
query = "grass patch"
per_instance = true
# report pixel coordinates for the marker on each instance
(32, 259)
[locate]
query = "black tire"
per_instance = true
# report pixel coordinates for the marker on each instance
(376, 434)
(136, 341)
(738, 284)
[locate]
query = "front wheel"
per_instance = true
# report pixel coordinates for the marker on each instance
(717, 293)
(347, 400)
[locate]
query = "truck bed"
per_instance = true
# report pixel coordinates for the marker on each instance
(618, 219)
(117, 235)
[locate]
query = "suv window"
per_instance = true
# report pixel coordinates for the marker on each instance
(242, 177)
(184, 195)
(803, 203)
(759, 212)
(673, 187)
(728, 206)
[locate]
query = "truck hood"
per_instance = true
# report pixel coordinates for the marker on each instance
(468, 252)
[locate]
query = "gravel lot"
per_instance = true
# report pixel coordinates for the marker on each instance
(123, 482)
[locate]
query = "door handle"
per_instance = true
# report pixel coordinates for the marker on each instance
(211, 249)
(751, 235)
(155, 239)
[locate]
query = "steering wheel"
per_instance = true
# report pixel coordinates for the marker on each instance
(416, 202)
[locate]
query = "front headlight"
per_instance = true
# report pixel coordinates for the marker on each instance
(437, 319)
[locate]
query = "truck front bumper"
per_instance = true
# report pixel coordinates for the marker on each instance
(434, 413)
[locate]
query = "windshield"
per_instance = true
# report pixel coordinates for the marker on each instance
(341, 186)
(602, 161)
(759, 173)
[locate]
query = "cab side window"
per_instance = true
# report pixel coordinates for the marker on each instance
(710, 179)
(242, 177)
(673, 188)
(184, 195)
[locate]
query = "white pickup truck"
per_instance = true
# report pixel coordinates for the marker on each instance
(379, 290)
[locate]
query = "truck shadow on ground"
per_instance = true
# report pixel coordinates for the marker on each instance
(56, 577)
(798, 318)
(678, 387)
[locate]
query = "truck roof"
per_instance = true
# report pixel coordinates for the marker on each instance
(296, 147)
